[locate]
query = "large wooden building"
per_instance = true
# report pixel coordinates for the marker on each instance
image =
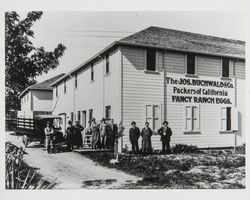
(195, 82)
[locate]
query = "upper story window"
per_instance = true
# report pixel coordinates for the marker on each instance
(190, 64)
(56, 91)
(108, 112)
(151, 60)
(92, 72)
(225, 67)
(107, 64)
(65, 88)
(75, 81)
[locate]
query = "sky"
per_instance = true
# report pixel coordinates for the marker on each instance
(86, 33)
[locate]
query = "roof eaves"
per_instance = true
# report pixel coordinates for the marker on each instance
(180, 50)
(79, 67)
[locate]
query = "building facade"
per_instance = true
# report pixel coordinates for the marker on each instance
(195, 82)
(37, 99)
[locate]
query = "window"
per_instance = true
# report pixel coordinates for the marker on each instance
(153, 114)
(79, 116)
(90, 114)
(150, 62)
(76, 81)
(92, 72)
(107, 64)
(71, 116)
(84, 118)
(65, 88)
(226, 118)
(108, 112)
(190, 64)
(192, 118)
(225, 67)
(56, 91)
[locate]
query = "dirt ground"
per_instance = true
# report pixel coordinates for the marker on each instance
(71, 170)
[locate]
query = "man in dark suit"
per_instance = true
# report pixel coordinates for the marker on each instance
(134, 134)
(165, 133)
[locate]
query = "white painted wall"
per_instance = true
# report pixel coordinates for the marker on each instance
(140, 88)
(103, 91)
(42, 100)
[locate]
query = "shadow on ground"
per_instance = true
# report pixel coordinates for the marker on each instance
(97, 183)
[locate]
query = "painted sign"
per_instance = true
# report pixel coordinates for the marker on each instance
(200, 90)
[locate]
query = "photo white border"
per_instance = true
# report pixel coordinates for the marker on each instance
(122, 5)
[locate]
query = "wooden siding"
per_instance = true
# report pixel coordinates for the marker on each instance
(139, 89)
(210, 115)
(240, 70)
(208, 66)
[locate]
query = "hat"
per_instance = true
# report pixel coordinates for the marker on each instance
(165, 122)
(69, 122)
(93, 119)
(133, 122)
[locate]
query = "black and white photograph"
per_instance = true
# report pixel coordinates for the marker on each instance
(131, 100)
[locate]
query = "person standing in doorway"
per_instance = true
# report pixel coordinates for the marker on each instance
(69, 136)
(165, 133)
(113, 134)
(49, 138)
(95, 134)
(78, 135)
(134, 134)
(103, 133)
(146, 134)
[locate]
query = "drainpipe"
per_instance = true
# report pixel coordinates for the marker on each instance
(73, 97)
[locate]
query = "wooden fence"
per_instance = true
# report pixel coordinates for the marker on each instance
(26, 123)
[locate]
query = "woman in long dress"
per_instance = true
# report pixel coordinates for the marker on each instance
(146, 134)
(95, 134)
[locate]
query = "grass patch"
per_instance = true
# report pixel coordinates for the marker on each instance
(197, 169)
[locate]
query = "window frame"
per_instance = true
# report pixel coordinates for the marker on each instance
(108, 112)
(152, 118)
(226, 119)
(192, 119)
(222, 68)
(91, 115)
(92, 74)
(64, 87)
(146, 60)
(195, 64)
(76, 81)
(107, 64)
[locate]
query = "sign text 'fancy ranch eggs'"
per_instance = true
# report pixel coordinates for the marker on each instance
(186, 90)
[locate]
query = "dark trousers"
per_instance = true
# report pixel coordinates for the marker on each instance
(166, 146)
(135, 147)
(69, 142)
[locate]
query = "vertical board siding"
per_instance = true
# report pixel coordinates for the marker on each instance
(139, 88)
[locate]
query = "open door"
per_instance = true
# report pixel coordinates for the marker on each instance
(63, 122)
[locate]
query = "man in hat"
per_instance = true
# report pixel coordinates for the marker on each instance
(95, 134)
(49, 137)
(78, 135)
(134, 134)
(165, 133)
(69, 135)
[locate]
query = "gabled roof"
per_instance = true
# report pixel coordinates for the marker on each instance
(175, 40)
(45, 85)
(185, 41)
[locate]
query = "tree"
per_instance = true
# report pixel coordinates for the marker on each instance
(23, 61)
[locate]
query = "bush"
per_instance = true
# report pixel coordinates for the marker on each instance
(18, 175)
(183, 148)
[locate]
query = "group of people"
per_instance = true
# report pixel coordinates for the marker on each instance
(134, 134)
(105, 136)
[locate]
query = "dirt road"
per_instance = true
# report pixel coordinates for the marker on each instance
(72, 170)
